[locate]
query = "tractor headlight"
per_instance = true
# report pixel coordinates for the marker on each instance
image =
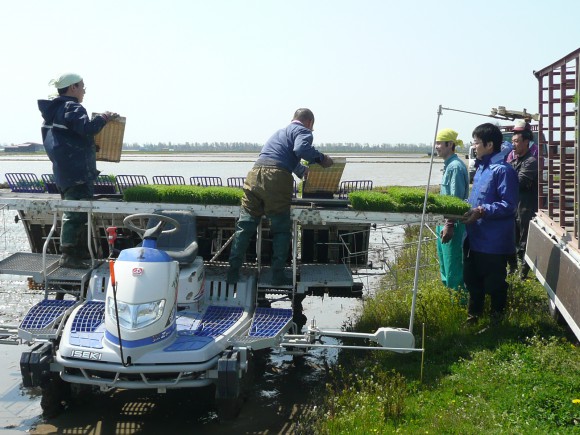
(136, 316)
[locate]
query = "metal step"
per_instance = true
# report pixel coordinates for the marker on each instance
(324, 275)
(29, 264)
(265, 279)
(319, 275)
(64, 275)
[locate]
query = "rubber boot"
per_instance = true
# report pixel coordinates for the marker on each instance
(281, 238)
(82, 244)
(83, 253)
(524, 271)
(512, 263)
(245, 229)
(69, 259)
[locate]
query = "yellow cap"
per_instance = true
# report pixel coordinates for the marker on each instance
(448, 135)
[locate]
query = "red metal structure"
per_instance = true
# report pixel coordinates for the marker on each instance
(558, 192)
(553, 249)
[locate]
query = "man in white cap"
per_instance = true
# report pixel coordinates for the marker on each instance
(68, 138)
(455, 182)
(520, 126)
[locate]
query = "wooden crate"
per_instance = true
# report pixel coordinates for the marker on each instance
(324, 181)
(110, 140)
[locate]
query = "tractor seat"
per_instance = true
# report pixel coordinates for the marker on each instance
(182, 245)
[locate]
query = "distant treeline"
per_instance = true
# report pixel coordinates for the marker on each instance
(255, 147)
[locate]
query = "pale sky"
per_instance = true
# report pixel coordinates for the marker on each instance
(373, 71)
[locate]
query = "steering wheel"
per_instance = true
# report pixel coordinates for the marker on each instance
(128, 222)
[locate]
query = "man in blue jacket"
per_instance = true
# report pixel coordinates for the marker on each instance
(490, 225)
(68, 138)
(268, 191)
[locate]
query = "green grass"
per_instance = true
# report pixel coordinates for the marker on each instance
(519, 377)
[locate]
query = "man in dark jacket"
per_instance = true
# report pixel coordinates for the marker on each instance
(268, 191)
(68, 138)
(490, 225)
(526, 165)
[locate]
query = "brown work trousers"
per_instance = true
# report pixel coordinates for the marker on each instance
(267, 191)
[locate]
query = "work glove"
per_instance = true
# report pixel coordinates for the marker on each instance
(473, 215)
(447, 234)
(447, 231)
(109, 116)
(326, 162)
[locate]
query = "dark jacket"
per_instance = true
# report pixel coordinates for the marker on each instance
(495, 188)
(527, 169)
(68, 138)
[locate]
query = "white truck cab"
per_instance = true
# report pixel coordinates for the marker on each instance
(470, 156)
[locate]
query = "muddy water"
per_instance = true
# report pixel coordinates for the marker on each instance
(281, 392)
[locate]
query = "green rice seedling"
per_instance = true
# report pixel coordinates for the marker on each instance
(184, 194)
(366, 200)
(406, 200)
(141, 194)
(409, 199)
(449, 205)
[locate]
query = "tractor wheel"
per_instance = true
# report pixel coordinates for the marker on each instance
(232, 391)
(55, 394)
(228, 409)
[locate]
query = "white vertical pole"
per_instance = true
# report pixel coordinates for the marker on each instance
(418, 259)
